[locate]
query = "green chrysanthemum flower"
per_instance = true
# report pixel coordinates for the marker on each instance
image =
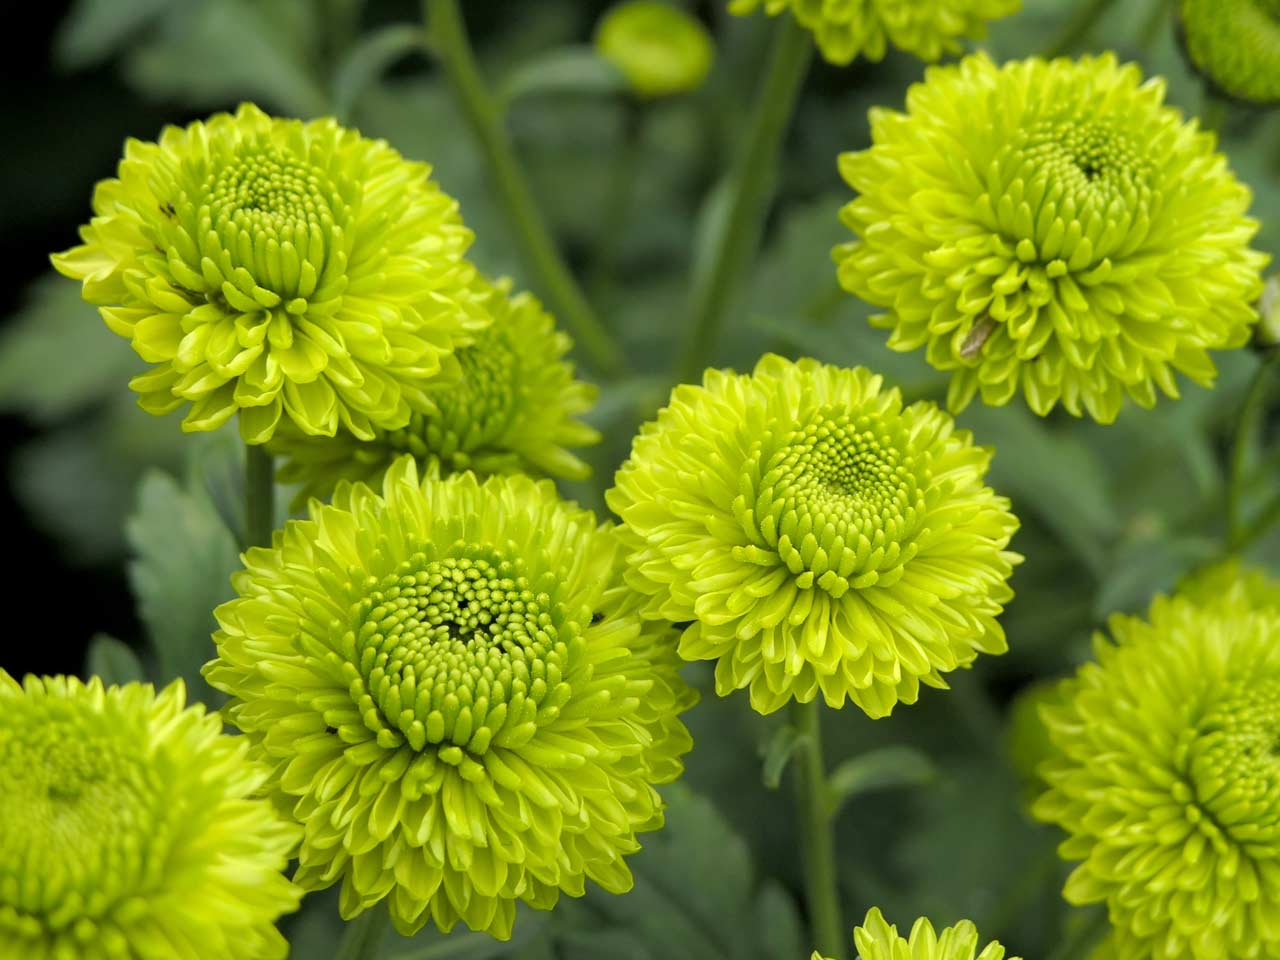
(1258, 588)
(513, 411)
(128, 829)
(461, 705)
(1051, 226)
(819, 535)
(1235, 45)
(278, 268)
(1167, 780)
(661, 50)
(876, 939)
(845, 29)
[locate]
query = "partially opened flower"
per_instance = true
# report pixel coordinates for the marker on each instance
(845, 29)
(817, 536)
(456, 695)
(1054, 228)
(513, 410)
(276, 268)
(1235, 45)
(130, 828)
(876, 939)
(1167, 780)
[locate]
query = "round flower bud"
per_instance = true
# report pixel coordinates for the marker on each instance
(1167, 781)
(660, 50)
(511, 411)
(1051, 227)
(925, 28)
(878, 940)
(278, 269)
(817, 536)
(131, 829)
(1235, 46)
(457, 697)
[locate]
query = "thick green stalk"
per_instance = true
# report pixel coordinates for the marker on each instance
(752, 186)
(817, 834)
(364, 935)
(1077, 29)
(1246, 426)
(484, 115)
(259, 496)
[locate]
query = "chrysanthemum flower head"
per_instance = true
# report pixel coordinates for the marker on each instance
(1256, 587)
(845, 29)
(1167, 780)
(130, 829)
(512, 410)
(1235, 45)
(660, 49)
(817, 535)
(1051, 227)
(877, 939)
(276, 268)
(459, 701)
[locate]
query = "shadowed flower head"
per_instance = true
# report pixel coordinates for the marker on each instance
(278, 269)
(512, 411)
(1235, 45)
(876, 939)
(127, 829)
(459, 701)
(845, 29)
(820, 536)
(661, 50)
(1051, 227)
(1167, 780)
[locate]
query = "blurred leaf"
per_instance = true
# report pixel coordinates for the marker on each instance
(57, 356)
(881, 769)
(183, 559)
(113, 660)
(782, 745)
(573, 69)
(369, 58)
(1149, 566)
(97, 29)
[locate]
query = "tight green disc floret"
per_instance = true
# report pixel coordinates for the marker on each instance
(1054, 228)
(1167, 780)
(1235, 45)
(130, 829)
(278, 269)
(817, 536)
(512, 410)
(876, 939)
(456, 695)
(845, 29)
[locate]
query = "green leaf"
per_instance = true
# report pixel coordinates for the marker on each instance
(881, 769)
(97, 29)
(113, 661)
(571, 69)
(784, 742)
(183, 559)
(369, 59)
(1149, 566)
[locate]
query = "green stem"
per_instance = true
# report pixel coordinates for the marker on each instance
(259, 496)
(1078, 28)
(1250, 413)
(485, 117)
(1160, 17)
(817, 834)
(752, 186)
(364, 935)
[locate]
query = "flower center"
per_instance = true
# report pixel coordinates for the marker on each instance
(839, 498)
(459, 652)
(83, 818)
(1234, 761)
(1090, 162)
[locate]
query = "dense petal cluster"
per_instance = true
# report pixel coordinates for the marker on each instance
(278, 269)
(876, 939)
(660, 50)
(459, 701)
(1051, 227)
(845, 29)
(513, 410)
(819, 536)
(1235, 45)
(1167, 780)
(129, 829)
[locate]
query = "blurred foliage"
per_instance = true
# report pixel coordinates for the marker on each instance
(932, 817)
